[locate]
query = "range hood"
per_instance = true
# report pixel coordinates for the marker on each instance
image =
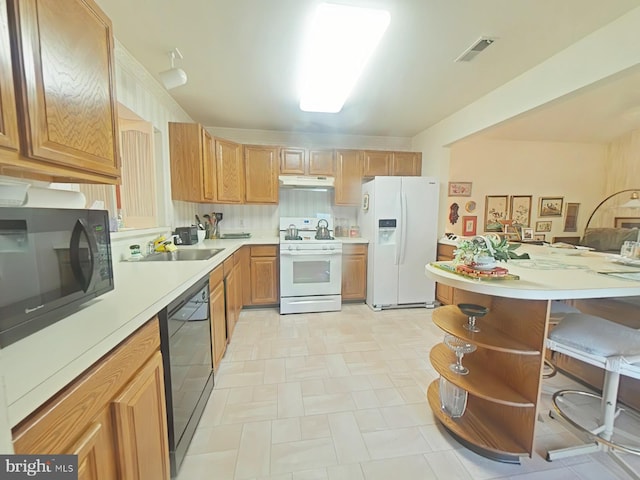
(303, 181)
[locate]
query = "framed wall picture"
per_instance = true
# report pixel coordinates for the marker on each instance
(540, 237)
(469, 225)
(627, 222)
(527, 234)
(496, 208)
(543, 226)
(521, 210)
(459, 189)
(550, 207)
(571, 217)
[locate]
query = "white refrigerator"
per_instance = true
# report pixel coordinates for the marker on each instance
(399, 216)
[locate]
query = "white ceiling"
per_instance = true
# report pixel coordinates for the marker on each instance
(241, 58)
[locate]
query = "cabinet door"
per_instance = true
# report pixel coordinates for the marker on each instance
(140, 421)
(292, 161)
(376, 163)
(230, 302)
(94, 449)
(406, 164)
(229, 172)
(354, 273)
(238, 298)
(261, 174)
(8, 115)
(208, 167)
(322, 162)
(218, 323)
(68, 85)
(264, 280)
(348, 182)
(245, 267)
(444, 293)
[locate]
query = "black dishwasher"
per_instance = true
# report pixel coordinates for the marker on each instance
(185, 336)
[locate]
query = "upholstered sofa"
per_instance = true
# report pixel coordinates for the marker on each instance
(608, 239)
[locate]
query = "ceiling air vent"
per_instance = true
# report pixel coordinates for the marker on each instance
(477, 47)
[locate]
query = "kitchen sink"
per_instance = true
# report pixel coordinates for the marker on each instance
(182, 255)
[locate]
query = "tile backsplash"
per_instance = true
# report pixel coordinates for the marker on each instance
(264, 219)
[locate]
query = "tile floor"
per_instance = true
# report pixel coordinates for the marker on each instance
(341, 396)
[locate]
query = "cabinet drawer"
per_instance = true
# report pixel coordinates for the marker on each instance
(264, 251)
(354, 249)
(228, 265)
(216, 276)
(445, 252)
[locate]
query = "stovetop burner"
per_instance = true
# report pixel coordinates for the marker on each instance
(289, 237)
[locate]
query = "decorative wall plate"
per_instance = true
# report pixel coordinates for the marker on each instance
(470, 206)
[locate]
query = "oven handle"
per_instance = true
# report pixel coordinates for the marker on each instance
(309, 254)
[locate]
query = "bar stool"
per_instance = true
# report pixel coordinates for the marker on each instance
(616, 349)
(557, 312)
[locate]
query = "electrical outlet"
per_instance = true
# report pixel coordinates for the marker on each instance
(241, 223)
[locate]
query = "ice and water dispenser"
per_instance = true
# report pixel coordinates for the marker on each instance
(387, 231)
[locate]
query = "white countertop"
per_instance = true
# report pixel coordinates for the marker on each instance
(39, 365)
(551, 274)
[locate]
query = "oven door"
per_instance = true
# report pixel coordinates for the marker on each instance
(310, 272)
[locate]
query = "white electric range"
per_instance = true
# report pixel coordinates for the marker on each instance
(310, 267)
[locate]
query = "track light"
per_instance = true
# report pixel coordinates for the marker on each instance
(174, 77)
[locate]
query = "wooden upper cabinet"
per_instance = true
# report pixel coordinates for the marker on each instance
(229, 171)
(208, 166)
(65, 89)
(192, 159)
(348, 182)
(322, 162)
(406, 164)
(292, 161)
(8, 115)
(261, 173)
(300, 161)
(376, 163)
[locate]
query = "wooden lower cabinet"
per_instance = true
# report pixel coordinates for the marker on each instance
(113, 416)
(444, 293)
(218, 316)
(140, 423)
(264, 275)
(230, 295)
(260, 274)
(95, 450)
(354, 272)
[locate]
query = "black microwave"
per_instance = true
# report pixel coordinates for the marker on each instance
(51, 262)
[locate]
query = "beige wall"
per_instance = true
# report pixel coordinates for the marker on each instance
(574, 171)
(601, 54)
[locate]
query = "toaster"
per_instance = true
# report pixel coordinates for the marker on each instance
(187, 235)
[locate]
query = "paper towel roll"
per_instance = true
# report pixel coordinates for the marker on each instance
(54, 198)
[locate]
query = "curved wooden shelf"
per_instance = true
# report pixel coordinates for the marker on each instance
(488, 438)
(478, 381)
(450, 319)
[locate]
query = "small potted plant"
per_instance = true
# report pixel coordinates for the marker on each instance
(483, 252)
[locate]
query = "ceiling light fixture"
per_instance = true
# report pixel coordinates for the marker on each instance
(174, 77)
(341, 40)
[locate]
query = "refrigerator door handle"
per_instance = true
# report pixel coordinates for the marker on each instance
(403, 227)
(398, 242)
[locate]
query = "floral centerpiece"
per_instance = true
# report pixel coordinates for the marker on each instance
(483, 252)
